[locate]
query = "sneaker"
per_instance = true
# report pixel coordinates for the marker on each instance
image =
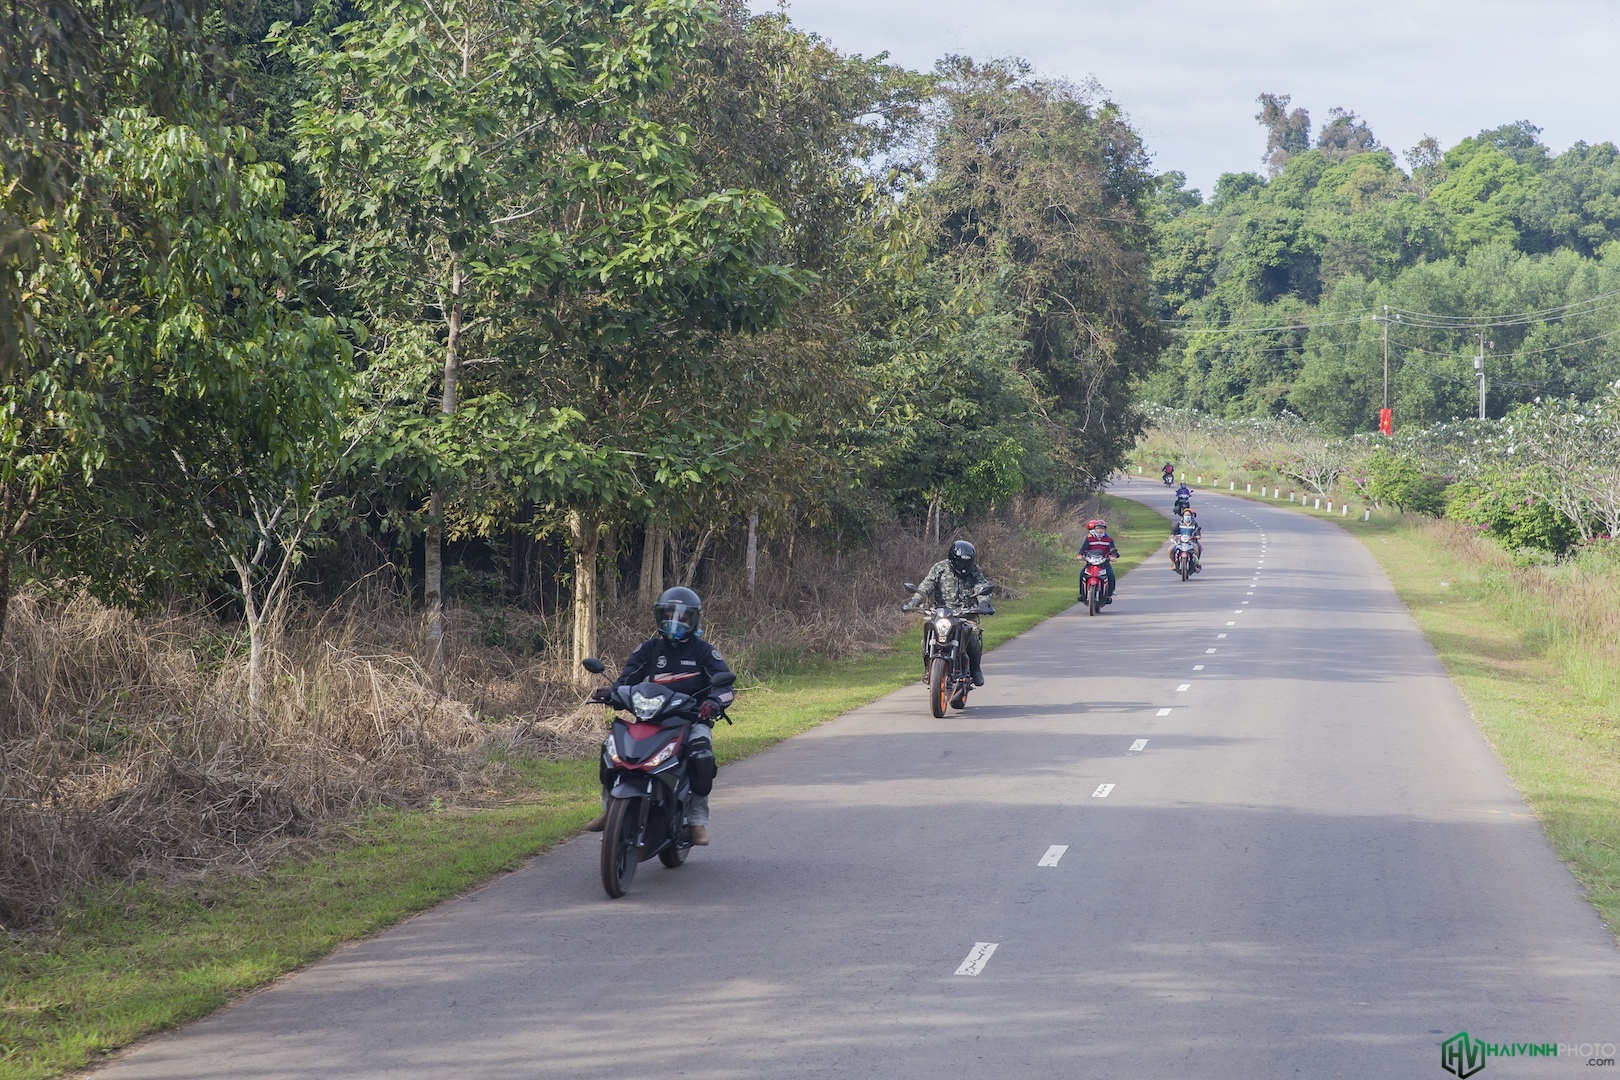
(699, 834)
(597, 823)
(1108, 601)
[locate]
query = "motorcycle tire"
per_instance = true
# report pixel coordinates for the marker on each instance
(675, 854)
(619, 855)
(1094, 602)
(1186, 569)
(939, 690)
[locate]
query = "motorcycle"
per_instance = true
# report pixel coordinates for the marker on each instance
(645, 769)
(1169, 480)
(1094, 582)
(948, 671)
(1184, 556)
(1182, 503)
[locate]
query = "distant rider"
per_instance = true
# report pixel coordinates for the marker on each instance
(1187, 525)
(680, 659)
(952, 583)
(1183, 498)
(1169, 473)
(1098, 540)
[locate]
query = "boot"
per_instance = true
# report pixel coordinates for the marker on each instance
(699, 834)
(978, 676)
(597, 823)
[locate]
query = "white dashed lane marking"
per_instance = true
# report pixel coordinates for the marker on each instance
(1183, 686)
(977, 958)
(1102, 791)
(1212, 650)
(1163, 712)
(1198, 667)
(1138, 746)
(1053, 854)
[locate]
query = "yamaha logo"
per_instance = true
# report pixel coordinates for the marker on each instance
(663, 661)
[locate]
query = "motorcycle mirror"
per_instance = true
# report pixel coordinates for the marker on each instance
(725, 678)
(911, 586)
(593, 665)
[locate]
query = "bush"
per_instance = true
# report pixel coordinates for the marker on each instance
(1498, 503)
(1397, 481)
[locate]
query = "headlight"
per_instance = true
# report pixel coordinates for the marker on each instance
(611, 751)
(942, 627)
(663, 755)
(646, 707)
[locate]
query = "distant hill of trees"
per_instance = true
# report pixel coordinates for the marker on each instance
(1279, 286)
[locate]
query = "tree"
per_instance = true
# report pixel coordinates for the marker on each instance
(1287, 133)
(1345, 135)
(171, 359)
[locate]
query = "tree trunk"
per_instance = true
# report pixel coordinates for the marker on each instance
(697, 556)
(5, 592)
(255, 627)
(433, 541)
(753, 549)
(583, 530)
(651, 582)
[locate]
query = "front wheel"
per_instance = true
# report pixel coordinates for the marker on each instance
(1186, 567)
(1093, 600)
(939, 691)
(619, 854)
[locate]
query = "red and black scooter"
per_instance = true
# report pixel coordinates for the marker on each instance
(1094, 581)
(644, 768)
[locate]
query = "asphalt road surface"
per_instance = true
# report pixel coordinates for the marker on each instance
(1237, 827)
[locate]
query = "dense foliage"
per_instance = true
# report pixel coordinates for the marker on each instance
(1281, 289)
(448, 274)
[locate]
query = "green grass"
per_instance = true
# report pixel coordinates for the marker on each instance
(1559, 740)
(132, 960)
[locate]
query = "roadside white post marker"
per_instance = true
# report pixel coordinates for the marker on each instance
(1053, 854)
(1137, 747)
(1232, 486)
(1366, 515)
(1330, 506)
(1318, 504)
(977, 958)
(1249, 488)
(1344, 509)
(1262, 491)
(1200, 479)
(1276, 493)
(1101, 793)
(1139, 470)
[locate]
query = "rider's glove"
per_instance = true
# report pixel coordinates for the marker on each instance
(602, 695)
(708, 711)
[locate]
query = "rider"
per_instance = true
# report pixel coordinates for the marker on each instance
(679, 658)
(1183, 498)
(1097, 539)
(1187, 525)
(952, 583)
(1169, 473)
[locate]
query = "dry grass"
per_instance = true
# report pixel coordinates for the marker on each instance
(127, 748)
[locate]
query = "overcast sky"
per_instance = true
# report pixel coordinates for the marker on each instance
(1188, 71)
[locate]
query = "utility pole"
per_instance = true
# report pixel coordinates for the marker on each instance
(1479, 366)
(1386, 356)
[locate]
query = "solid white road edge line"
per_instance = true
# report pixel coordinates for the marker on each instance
(976, 959)
(1053, 854)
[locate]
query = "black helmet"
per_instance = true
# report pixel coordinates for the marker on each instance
(961, 556)
(678, 613)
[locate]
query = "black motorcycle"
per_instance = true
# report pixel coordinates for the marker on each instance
(1169, 480)
(644, 767)
(949, 672)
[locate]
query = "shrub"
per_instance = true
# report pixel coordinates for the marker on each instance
(1499, 503)
(1397, 481)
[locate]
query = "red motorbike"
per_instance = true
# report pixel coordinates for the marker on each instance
(1094, 581)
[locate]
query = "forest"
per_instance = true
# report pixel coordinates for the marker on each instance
(1278, 291)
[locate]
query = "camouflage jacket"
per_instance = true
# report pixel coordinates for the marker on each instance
(943, 587)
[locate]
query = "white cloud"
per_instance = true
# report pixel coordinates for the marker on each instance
(1188, 72)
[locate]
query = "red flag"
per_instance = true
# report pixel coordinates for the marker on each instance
(1386, 421)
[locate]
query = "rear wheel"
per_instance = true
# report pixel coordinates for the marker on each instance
(619, 854)
(939, 691)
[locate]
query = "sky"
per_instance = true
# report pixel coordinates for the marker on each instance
(1188, 72)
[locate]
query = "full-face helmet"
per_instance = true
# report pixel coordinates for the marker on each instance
(962, 556)
(678, 613)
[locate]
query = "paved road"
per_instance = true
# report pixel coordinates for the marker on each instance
(1310, 865)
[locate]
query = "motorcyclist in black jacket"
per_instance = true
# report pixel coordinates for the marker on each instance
(679, 658)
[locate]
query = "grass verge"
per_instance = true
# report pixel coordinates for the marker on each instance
(130, 961)
(1560, 741)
